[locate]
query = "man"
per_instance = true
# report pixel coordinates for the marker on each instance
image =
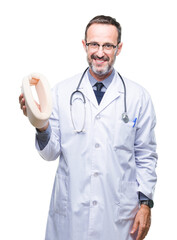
(106, 177)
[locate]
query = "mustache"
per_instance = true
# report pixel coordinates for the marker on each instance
(95, 57)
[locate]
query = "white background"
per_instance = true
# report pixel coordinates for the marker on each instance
(45, 36)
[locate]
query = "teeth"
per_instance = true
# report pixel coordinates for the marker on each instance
(100, 61)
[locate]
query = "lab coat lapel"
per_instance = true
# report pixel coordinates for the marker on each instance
(87, 90)
(113, 92)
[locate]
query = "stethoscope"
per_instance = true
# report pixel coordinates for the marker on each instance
(125, 117)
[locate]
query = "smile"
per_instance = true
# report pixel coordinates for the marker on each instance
(98, 61)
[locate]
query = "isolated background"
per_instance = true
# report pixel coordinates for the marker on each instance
(45, 36)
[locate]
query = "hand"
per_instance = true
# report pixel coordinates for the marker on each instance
(142, 222)
(23, 107)
(22, 104)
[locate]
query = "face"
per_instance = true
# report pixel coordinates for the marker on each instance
(100, 60)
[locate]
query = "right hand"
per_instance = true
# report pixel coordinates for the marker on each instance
(22, 104)
(23, 107)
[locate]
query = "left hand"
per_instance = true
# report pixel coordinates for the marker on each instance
(142, 222)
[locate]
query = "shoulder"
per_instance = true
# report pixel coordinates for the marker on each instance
(74, 80)
(135, 89)
(67, 85)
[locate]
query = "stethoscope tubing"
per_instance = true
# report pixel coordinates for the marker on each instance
(78, 86)
(125, 93)
(124, 114)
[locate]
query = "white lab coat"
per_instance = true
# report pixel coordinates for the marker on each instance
(101, 171)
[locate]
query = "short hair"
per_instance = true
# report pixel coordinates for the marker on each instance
(101, 19)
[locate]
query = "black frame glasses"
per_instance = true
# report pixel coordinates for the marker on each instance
(96, 46)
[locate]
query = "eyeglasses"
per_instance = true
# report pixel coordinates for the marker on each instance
(95, 46)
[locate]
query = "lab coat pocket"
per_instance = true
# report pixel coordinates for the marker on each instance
(128, 204)
(60, 195)
(124, 136)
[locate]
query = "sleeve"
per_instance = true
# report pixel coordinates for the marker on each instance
(145, 148)
(142, 197)
(51, 146)
(43, 137)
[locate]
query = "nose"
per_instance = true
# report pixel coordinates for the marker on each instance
(100, 51)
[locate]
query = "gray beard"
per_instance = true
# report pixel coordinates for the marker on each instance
(102, 72)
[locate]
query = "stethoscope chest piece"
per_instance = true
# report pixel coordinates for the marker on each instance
(125, 117)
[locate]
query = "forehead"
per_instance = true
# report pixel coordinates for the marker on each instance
(102, 33)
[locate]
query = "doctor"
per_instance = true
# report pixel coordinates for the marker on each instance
(105, 180)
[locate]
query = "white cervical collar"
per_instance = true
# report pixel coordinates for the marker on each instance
(38, 118)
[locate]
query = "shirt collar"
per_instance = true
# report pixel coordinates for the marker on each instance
(106, 82)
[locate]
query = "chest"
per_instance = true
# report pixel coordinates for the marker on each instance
(83, 121)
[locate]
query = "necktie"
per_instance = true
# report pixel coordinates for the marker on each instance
(98, 92)
(99, 86)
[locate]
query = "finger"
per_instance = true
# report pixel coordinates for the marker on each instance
(24, 110)
(140, 234)
(20, 97)
(134, 228)
(143, 235)
(22, 103)
(145, 231)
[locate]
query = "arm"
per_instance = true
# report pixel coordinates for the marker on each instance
(43, 136)
(48, 141)
(23, 108)
(146, 160)
(47, 138)
(145, 148)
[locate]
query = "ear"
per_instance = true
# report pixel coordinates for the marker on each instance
(84, 45)
(119, 48)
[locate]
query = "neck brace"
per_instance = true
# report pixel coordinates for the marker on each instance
(38, 118)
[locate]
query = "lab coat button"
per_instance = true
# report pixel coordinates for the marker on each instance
(94, 203)
(95, 174)
(97, 145)
(115, 148)
(98, 117)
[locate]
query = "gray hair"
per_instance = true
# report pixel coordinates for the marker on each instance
(101, 19)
